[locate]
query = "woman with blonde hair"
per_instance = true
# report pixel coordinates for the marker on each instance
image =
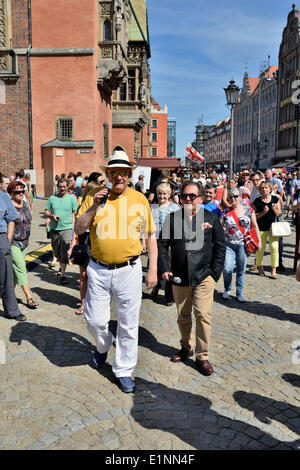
(267, 208)
(165, 206)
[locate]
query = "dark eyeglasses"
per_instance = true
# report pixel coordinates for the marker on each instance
(115, 173)
(20, 192)
(233, 197)
(101, 181)
(192, 196)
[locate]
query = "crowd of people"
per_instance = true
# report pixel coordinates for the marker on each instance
(190, 224)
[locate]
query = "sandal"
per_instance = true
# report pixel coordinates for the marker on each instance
(31, 303)
(261, 272)
(79, 311)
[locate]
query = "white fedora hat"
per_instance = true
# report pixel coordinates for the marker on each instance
(119, 159)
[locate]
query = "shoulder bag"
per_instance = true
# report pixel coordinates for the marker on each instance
(81, 254)
(250, 238)
(280, 229)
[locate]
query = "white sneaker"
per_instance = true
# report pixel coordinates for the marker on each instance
(225, 295)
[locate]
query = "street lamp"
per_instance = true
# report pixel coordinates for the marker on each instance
(232, 93)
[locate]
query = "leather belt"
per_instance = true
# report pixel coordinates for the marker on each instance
(116, 266)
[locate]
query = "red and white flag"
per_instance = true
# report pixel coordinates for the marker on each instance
(193, 155)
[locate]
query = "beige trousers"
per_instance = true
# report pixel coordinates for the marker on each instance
(201, 298)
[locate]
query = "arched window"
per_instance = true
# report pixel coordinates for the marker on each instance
(107, 30)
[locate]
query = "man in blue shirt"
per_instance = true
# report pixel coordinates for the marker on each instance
(8, 215)
(208, 200)
(272, 180)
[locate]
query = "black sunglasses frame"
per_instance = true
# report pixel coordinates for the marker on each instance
(192, 196)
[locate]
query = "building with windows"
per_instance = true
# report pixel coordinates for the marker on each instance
(264, 118)
(171, 138)
(158, 130)
(202, 134)
(255, 121)
(132, 99)
(74, 84)
(217, 145)
(288, 124)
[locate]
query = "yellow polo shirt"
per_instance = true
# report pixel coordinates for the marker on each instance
(116, 228)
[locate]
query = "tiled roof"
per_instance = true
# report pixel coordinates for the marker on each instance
(268, 73)
(155, 104)
(253, 82)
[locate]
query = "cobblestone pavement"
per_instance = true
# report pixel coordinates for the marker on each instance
(52, 398)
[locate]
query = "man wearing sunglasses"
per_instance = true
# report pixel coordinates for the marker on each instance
(197, 258)
(115, 219)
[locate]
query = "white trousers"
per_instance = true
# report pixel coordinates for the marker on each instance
(125, 284)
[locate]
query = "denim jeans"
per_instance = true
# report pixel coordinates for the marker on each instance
(235, 255)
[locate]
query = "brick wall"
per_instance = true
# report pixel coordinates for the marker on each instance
(14, 135)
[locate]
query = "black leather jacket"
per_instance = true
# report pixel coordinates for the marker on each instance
(192, 260)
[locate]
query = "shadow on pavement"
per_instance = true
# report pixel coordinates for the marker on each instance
(57, 297)
(258, 308)
(61, 347)
(190, 418)
(51, 276)
(293, 379)
(267, 410)
(148, 340)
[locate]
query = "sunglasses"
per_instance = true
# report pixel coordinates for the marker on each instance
(233, 197)
(192, 196)
(101, 181)
(115, 173)
(20, 192)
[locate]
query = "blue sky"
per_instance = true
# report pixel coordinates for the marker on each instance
(198, 46)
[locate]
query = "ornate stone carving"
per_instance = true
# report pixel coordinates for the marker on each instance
(143, 92)
(4, 59)
(118, 15)
(111, 74)
(134, 55)
(106, 9)
(106, 52)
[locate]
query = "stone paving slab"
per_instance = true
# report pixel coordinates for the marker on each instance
(52, 398)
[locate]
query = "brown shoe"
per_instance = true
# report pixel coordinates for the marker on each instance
(182, 354)
(204, 367)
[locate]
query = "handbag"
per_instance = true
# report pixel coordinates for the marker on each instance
(280, 229)
(250, 237)
(81, 254)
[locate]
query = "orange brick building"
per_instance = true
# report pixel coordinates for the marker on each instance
(68, 109)
(76, 84)
(159, 130)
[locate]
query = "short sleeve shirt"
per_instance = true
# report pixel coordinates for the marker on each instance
(64, 207)
(212, 207)
(232, 231)
(8, 212)
(116, 228)
(264, 223)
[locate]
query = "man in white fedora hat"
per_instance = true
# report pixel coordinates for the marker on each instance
(115, 218)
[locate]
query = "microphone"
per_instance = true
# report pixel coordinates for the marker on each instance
(176, 280)
(104, 199)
